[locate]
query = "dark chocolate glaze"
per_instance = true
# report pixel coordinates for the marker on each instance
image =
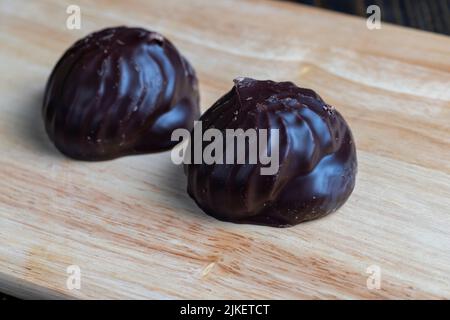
(117, 92)
(317, 157)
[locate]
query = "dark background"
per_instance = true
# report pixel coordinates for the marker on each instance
(429, 15)
(4, 297)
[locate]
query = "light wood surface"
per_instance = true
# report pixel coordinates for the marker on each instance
(129, 224)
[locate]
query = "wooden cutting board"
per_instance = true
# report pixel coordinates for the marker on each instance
(129, 225)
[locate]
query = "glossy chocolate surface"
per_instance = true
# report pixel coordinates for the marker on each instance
(317, 157)
(117, 92)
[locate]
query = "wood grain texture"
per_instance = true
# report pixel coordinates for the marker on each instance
(129, 223)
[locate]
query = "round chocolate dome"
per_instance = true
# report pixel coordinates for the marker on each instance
(317, 157)
(117, 92)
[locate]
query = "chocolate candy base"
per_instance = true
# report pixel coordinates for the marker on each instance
(272, 216)
(117, 92)
(317, 159)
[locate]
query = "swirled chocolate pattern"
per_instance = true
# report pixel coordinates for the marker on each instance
(317, 157)
(117, 92)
